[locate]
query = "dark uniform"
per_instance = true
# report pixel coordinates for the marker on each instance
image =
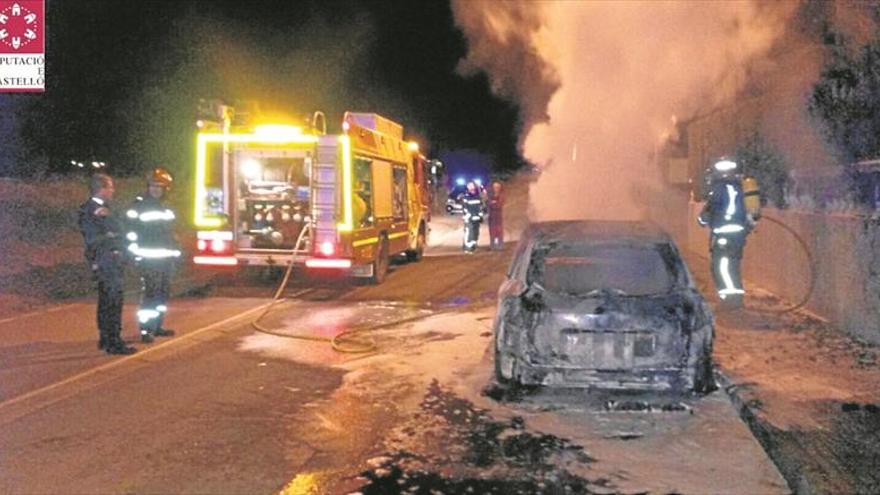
(496, 219)
(152, 243)
(472, 209)
(725, 215)
(104, 253)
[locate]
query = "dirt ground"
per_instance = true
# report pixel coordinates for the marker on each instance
(810, 393)
(40, 245)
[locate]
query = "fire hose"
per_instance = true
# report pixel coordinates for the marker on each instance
(812, 284)
(351, 341)
(347, 341)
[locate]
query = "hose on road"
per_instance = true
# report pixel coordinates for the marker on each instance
(348, 341)
(812, 283)
(353, 340)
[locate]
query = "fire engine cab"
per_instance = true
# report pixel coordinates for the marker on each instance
(277, 194)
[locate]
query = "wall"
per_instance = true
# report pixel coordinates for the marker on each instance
(844, 256)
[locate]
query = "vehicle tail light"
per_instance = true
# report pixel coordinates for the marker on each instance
(218, 246)
(327, 248)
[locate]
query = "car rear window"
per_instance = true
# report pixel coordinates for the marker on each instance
(580, 269)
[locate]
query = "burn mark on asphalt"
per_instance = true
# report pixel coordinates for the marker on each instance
(393, 480)
(453, 446)
(500, 393)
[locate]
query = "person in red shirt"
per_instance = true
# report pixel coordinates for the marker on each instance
(496, 217)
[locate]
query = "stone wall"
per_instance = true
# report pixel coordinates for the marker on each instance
(845, 258)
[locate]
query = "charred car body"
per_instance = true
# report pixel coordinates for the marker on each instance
(605, 305)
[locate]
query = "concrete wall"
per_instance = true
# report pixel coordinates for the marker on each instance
(844, 256)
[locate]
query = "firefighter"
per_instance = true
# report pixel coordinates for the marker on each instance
(152, 243)
(472, 208)
(729, 222)
(104, 251)
(496, 219)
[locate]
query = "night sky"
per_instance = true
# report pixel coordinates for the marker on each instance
(124, 78)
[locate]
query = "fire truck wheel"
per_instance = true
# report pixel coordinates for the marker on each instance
(416, 254)
(380, 266)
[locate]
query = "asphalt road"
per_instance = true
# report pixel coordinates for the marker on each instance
(222, 408)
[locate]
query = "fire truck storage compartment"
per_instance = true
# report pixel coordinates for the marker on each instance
(273, 197)
(382, 187)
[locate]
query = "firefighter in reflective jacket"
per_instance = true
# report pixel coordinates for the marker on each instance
(473, 207)
(151, 242)
(729, 223)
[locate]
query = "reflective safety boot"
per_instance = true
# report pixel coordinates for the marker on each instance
(117, 346)
(164, 332)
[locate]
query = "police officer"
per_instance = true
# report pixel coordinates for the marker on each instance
(473, 207)
(729, 223)
(151, 242)
(104, 252)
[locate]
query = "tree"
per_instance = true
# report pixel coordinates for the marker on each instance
(763, 161)
(846, 100)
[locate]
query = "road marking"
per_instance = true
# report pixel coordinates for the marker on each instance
(118, 362)
(187, 283)
(35, 313)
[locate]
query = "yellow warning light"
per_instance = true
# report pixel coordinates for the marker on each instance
(278, 132)
(413, 146)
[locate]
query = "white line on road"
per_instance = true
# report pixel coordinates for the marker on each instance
(128, 293)
(35, 313)
(118, 362)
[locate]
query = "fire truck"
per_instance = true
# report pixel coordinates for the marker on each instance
(275, 194)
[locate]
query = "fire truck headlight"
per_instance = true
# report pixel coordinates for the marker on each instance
(251, 169)
(327, 248)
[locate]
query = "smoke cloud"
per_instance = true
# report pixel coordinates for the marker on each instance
(599, 82)
(508, 40)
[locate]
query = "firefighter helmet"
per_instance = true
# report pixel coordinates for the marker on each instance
(160, 176)
(724, 167)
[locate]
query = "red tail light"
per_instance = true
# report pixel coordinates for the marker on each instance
(327, 248)
(218, 246)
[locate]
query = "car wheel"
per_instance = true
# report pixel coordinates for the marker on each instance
(419, 251)
(505, 368)
(704, 375)
(380, 265)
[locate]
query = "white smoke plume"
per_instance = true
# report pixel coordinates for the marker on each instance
(617, 73)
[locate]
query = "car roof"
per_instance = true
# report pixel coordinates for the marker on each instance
(599, 231)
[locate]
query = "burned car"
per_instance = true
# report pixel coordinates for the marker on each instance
(604, 305)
